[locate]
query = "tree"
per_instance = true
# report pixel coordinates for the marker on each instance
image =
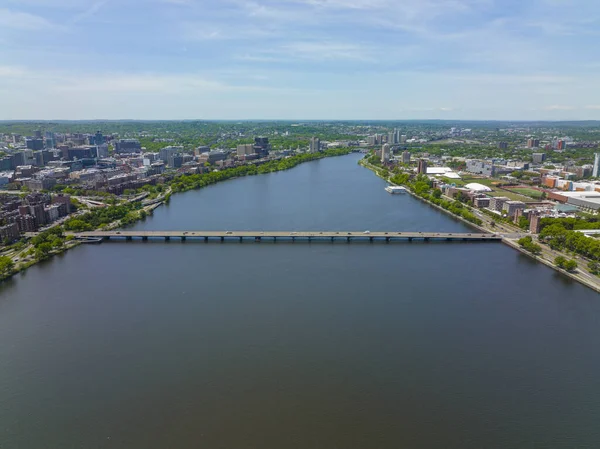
(560, 261)
(594, 267)
(6, 266)
(570, 265)
(523, 222)
(437, 193)
(493, 224)
(42, 250)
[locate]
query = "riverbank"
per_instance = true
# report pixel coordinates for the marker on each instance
(124, 214)
(547, 256)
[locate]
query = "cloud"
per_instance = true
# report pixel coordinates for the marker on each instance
(594, 107)
(89, 12)
(559, 107)
(23, 20)
(325, 51)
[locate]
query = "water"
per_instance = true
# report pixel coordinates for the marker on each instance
(154, 345)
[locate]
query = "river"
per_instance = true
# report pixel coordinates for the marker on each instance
(270, 346)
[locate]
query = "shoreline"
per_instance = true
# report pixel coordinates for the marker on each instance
(149, 209)
(512, 244)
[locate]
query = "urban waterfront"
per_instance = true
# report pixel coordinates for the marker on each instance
(420, 345)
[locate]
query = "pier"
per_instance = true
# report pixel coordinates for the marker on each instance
(293, 236)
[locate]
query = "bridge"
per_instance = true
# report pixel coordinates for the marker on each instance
(258, 236)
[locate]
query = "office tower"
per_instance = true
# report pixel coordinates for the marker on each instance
(315, 145)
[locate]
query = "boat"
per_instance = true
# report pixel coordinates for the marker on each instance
(395, 189)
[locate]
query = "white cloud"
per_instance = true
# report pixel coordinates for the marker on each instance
(325, 51)
(23, 20)
(559, 107)
(89, 12)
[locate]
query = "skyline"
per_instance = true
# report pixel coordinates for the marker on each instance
(299, 60)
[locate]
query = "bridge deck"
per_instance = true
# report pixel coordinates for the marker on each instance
(289, 235)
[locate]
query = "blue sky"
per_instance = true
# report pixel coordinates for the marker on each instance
(299, 59)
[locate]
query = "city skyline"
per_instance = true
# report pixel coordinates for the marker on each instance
(299, 59)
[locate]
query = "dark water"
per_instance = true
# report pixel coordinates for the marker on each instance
(155, 345)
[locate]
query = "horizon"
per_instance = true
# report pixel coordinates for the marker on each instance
(246, 60)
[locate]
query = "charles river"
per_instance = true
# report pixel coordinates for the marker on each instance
(278, 346)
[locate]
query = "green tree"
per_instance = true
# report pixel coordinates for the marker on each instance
(570, 265)
(560, 261)
(43, 250)
(594, 267)
(6, 266)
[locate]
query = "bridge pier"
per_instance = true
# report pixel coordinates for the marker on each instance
(332, 239)
(387, 240)
(205, 239)
(347, 239)
(410, 239)
(241, 239)
(426, 239)
(183, 239)
(222, 239)
(128, 238)
(257, 239)
(145, 238)
(371, 239)
(167, 238)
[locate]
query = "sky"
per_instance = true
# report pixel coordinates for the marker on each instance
(300, 59)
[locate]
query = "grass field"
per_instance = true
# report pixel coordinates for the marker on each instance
(512, 195)
(528, 192)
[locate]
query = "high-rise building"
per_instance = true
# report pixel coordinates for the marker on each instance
(503, 145)
(262, 146)
(102, 151)
(403, 138)
(98, 139)
(245, 149)
(315, 145)
(422, 169)
(49, 139)
(165, 153)
(562, 145)
(596, 169)
(406, 157)
(128, 146)
(533, 143)
(385, 153)
(535, 222)
(35, 144)
(538, 158)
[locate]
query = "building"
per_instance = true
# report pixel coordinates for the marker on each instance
(213, 157)
(245, 149)
(97, 139)
(64, 200)
(403, 138)
(503, 145)
(481, 202)
(422, 168)
(175, 160)
(535, 223)
(385, 153)
(315, 145)
(511, 207)
(596, 169)
(35, 144)
(38, 211)
(102, 151)
(83, 152)
(480, 167)
(533, 143)
(9, 232)
(128, 146)
(165, 153)
(262, 146)
(406, 157)
(497, 203)
(538, 158)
